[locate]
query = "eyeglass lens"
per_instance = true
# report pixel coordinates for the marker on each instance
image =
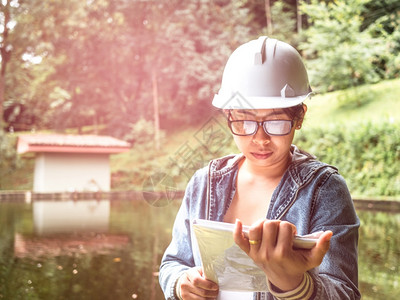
(271, 127)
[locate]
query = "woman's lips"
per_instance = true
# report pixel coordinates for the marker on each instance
(258, 155)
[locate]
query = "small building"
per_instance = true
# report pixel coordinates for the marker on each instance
(71, 163)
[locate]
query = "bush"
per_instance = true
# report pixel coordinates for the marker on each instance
(142, 132)
(367, 155)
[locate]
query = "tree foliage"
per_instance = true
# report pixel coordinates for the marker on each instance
(82, 63)
(70, 64)
(335, 58)
(349, 43)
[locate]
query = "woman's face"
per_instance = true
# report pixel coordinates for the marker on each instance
(262, 149)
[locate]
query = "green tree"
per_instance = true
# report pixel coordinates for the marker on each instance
(6, 10)
(105, 63)
(284, 22)
(383, 20)
(28, 86)
(94, 62)
(338, 54)
(181, 49)
(9, 160)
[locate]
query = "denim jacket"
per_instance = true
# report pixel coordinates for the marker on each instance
(311, 195)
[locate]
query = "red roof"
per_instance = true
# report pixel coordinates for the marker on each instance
(71, 143)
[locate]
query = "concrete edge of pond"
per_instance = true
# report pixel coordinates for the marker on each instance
(386, 204)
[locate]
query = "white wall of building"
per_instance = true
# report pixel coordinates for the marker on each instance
(69, 172)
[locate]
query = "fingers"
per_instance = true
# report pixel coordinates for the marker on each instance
(271, 241)
(194, 286)
(252, 240)
(263, 233)
(239, 237)
(271, 233)
(270, 245)
(256, 236)
(277, 240)
(285, 235)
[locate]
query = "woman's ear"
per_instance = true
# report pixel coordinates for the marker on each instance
(299, 122)
(305, 110)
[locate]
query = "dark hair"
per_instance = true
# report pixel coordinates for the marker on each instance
(295, 112)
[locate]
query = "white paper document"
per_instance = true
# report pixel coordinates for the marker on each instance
(223, 261)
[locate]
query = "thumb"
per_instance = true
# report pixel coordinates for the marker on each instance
(322, 246)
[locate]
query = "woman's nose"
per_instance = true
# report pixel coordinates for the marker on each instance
(261, 137)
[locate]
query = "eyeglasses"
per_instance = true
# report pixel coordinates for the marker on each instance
(271, 127)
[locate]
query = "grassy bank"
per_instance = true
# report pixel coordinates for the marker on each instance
(369, 103)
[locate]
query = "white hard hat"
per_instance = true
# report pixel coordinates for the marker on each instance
(263, 74)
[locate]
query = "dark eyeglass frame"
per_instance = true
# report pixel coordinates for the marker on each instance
(262, 123)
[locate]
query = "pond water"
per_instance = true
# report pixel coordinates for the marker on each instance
(101, 249)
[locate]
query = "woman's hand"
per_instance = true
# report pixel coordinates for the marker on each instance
(193, 285)
(271, 248)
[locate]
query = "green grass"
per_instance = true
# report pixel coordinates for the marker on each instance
(372, 103)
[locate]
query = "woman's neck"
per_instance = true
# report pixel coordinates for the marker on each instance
(270, 172)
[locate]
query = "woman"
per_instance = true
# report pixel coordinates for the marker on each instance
(273, 185)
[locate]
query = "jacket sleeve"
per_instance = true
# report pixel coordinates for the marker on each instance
(333, 209)
(178, 256)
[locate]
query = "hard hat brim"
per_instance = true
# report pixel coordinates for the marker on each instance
(237, 101)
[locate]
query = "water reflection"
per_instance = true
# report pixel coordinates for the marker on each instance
(112, 250)
(67, 228)
(82, 249)
(51, 217)
(379, 255)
